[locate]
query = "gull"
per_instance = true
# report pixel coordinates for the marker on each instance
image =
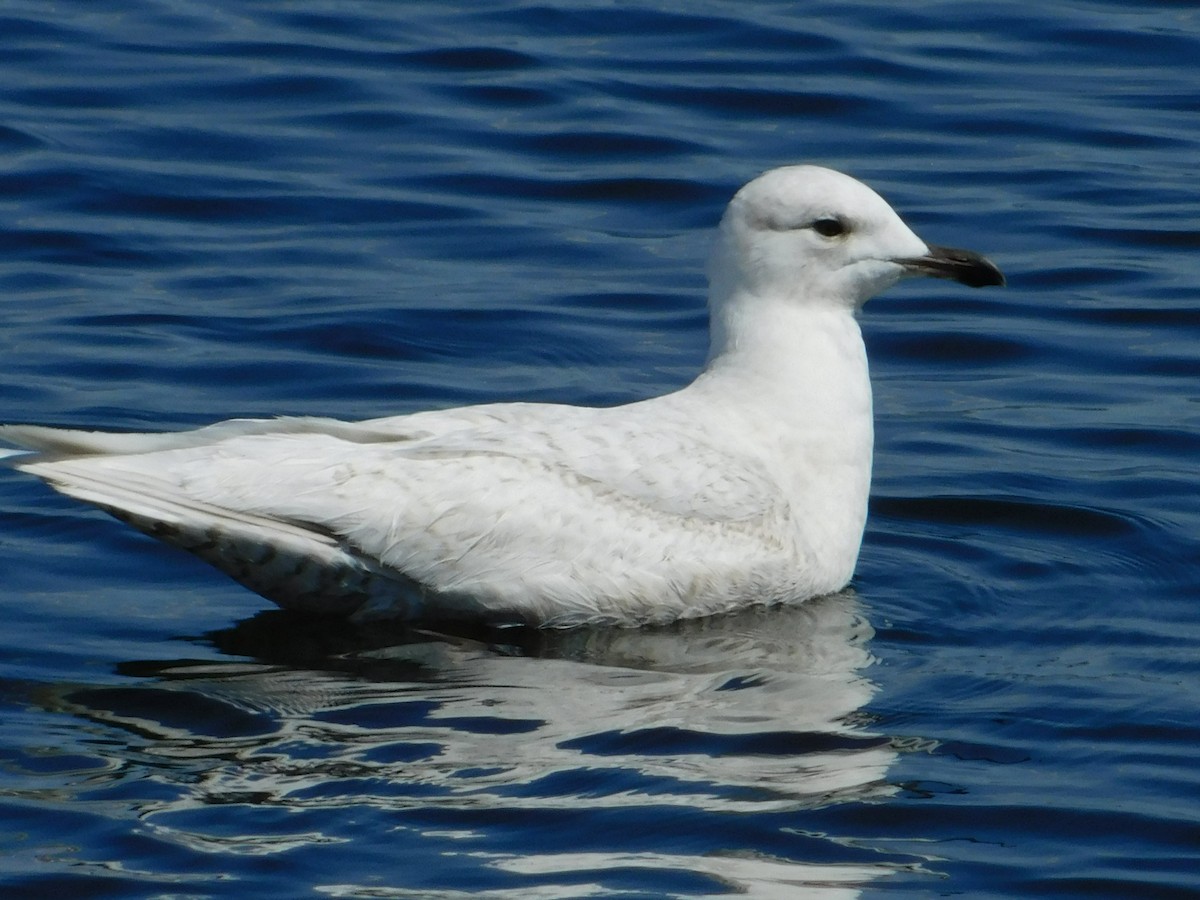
(748, 486)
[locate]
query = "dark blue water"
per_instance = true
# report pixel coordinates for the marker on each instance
(360, 209)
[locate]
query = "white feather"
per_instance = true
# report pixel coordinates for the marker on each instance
(748, 486)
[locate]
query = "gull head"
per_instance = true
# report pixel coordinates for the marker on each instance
(812, 236)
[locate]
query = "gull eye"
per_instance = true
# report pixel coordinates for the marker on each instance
(829, 228)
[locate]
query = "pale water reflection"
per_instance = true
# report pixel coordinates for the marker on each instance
(428, 739)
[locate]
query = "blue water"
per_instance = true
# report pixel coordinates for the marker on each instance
(359, 209)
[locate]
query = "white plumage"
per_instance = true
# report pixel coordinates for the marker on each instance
(747, 486)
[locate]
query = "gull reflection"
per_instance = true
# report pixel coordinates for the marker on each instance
(753, 714)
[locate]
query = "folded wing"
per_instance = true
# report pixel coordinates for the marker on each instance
(525, 512)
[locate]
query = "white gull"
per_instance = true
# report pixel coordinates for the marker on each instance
(748, 486)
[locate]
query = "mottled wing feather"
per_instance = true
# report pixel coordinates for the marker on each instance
(525, 509)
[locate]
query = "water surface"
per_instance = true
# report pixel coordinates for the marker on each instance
(213, 210)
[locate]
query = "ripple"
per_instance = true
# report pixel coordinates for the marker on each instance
(369, 209)
(1023, 515)
(472, 59)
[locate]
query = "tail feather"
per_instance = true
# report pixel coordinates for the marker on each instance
(58, 443)
(68, 442)
(295, 564)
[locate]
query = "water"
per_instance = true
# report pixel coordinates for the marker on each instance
(360, 209)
